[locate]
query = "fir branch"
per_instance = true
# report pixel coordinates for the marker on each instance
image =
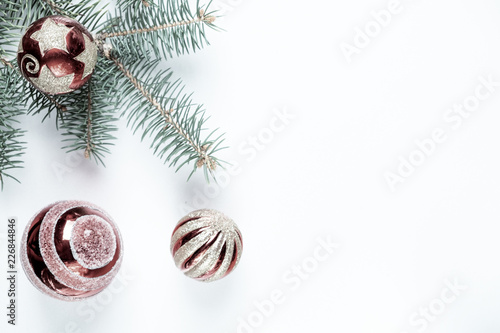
(87, 12)
(177, 124)
(32, 10)
(6, 63)
(166, 114)
(88, 138)
(11, 146)
(124, 4)
(39, 102)
(58, 105)
(164, 29)
(11, 151)
(56, 8)
(90, 13)
(201, 18)
(9, 28)
(90, 121)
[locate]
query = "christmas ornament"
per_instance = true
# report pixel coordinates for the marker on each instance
(206, 245)
(71, 250)
(57, 55)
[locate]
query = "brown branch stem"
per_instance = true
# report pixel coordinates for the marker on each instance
(88, 139)
(167, 114)
(55, 7)
(58, 105)
(201, 18)
(6, 63)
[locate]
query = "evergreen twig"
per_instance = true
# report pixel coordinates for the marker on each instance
(164, 29)
(90, 146)
(141, 33)
(201, 18)
(184, 105)
(55, 7)
(6, 63)
(11, 146)
(58, 105)
(89, 123)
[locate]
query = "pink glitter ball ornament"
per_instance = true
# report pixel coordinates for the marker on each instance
(71, 250)
(206, 245)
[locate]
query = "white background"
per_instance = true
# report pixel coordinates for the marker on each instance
(323, 176)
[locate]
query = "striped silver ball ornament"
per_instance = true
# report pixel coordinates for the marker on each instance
(206, 245)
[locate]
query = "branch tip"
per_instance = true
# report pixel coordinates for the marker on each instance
(205, 18)
(6, 63)
(205, 159)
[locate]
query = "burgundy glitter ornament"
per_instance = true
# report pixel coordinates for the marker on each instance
(57, 55)
(206, 245)
(71, 250)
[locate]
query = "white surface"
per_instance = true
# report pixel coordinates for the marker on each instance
(321, 176)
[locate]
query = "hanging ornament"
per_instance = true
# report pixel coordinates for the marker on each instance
(206, 245)
(57, 55)
(71, 250)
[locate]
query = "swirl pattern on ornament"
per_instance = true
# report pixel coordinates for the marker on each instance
(32, 67)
